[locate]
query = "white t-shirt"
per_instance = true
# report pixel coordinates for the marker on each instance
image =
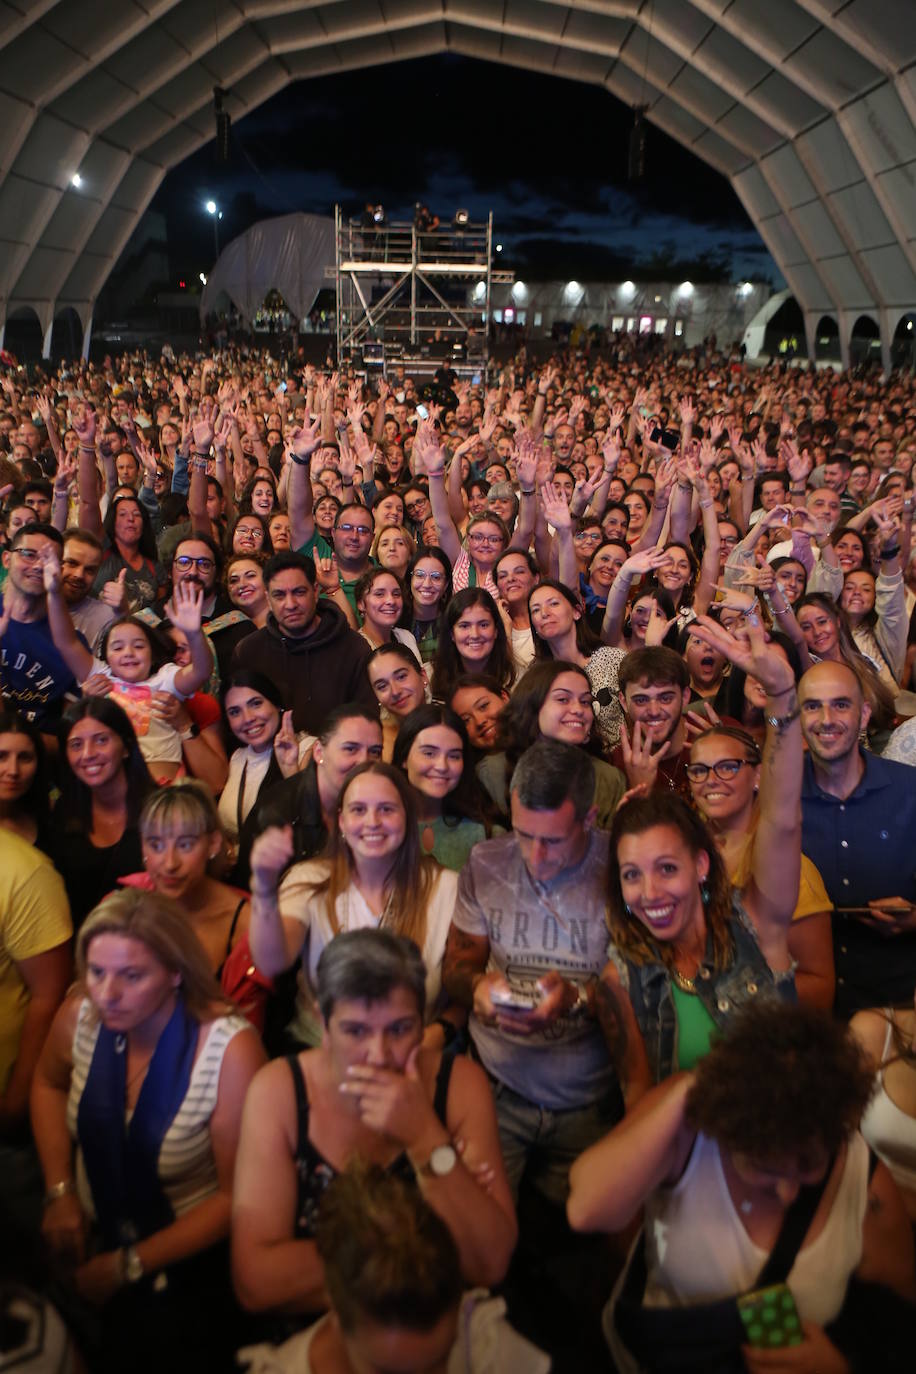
(158, 742)
(296, 899)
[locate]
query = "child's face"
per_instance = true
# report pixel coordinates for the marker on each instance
(128, 653)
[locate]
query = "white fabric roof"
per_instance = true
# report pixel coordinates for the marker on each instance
(287, 254)
(808, 106)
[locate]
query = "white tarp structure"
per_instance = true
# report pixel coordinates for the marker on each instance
(287, 254)
(807, 106)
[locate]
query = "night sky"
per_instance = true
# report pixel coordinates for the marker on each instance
(548, 156)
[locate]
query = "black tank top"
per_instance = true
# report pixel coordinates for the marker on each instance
(314, 1173)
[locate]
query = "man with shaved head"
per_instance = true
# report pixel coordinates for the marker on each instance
(859, 828)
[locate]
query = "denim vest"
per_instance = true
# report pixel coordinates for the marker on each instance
(722, 992)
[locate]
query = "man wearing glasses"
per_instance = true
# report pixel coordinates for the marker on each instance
(35, 679)
(198, 562)
(353, 532)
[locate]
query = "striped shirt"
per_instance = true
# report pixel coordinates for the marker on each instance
(187, 1169)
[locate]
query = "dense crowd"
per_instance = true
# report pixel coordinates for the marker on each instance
(477, 820)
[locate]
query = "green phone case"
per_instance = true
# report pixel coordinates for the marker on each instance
(771, 1318)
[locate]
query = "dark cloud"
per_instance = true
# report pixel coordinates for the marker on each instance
(546, 155)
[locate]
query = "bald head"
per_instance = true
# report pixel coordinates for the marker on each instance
(833, 711)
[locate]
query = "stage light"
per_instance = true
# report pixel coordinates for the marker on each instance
(628, 290)
(685, 288)
(462, 217)
(745, 288)
(76, 180)
(210, 207)
(499, 248)
(203, 278)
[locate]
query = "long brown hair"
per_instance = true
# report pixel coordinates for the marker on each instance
(631, 937)
(410, 879)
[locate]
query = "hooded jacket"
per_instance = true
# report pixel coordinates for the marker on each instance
(314, 673)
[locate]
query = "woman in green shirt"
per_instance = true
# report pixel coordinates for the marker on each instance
(432, 749)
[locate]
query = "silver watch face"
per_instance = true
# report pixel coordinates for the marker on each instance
(443, 1160)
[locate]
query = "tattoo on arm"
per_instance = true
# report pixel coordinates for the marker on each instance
(613, 1025)
(465, 957)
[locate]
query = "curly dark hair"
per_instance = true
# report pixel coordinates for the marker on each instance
(783, 1083)
(631, 937)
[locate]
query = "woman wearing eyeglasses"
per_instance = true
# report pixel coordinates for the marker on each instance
(739, 792)
(429, 590)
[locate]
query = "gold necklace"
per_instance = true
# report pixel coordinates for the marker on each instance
(685, 984)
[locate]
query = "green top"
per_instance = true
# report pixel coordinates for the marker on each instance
(610, 785)
(695, 1028)
(453, 843)
(317, 546)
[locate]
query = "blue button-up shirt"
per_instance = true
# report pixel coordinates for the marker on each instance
(864, 848)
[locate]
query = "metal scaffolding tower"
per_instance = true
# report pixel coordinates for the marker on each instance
(404, 294)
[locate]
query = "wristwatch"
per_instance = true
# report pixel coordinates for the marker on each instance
(440, 1163)
(192, 732)
(131, 1265)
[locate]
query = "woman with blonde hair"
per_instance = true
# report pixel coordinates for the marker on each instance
(183, 844)
(136, 1109)
(374, 874)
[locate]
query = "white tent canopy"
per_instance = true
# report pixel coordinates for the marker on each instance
(287, 254)
(807, 106)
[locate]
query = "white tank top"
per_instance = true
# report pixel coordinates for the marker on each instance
(697, 1249)
(889, 1131)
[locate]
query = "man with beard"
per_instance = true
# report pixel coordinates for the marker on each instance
(35, 677)
(654, 691)
(858, 822)
(198, 562)
(82, 558)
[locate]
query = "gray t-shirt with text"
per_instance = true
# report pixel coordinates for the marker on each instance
(533, 927)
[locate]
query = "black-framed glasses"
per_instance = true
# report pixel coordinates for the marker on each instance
(724, 770)
(185, 561)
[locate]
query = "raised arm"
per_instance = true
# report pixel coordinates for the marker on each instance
(665, 475)
(772, 893)
(557, 513)
(68, 643)
(187, 606)
(636, 566)
(275, 940)
(90, 515)
(302, 445)
(712, 543)
(650, 1146)
(430, 458)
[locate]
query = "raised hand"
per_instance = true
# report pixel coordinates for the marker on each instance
(303, 442)
(49, 560)
(271, 853)
(688, 410)
(114, 593)
(657, 625)
(428, 457)
(644, 562)
(187, 607)
(327, 575)
(610, 450)
(554, 506)
(84, 422)
(286, 746)
(640, 761)
(753, 653)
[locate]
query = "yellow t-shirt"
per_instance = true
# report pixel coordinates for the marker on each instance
(812, 895)
(34, 917)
